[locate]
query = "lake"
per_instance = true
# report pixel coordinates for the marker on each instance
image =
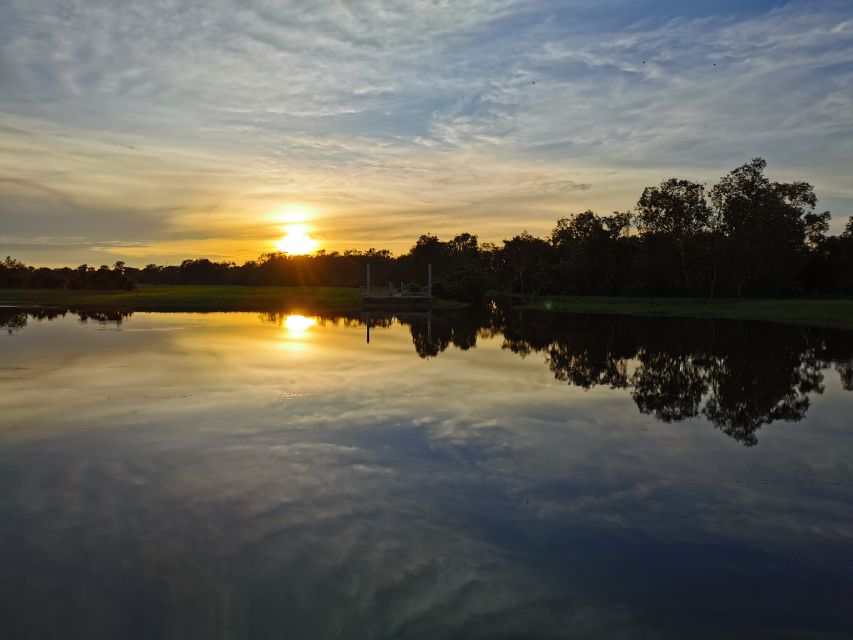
(486, 474)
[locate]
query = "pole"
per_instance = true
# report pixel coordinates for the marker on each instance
(368, 279)
(429, 280)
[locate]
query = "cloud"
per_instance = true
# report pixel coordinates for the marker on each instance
(405, 117)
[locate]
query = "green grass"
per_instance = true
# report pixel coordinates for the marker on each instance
(836, 313)
(191, 297)
(819, 312)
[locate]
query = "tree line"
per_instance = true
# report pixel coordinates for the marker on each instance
(14, 274)
(745, 236)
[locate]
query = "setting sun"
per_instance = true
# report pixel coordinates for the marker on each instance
(296, 241)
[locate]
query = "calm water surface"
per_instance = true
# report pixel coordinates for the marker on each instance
(475, 475)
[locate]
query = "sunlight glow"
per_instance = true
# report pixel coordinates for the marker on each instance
(292, 213)
(297, 326)
(296, 241)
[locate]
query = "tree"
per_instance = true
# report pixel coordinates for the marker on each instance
(839, 255)
(587, 251)
(427, 250)
(764, 226)
(816, 226)
(464, 247)
(523, 257)
(676, 211)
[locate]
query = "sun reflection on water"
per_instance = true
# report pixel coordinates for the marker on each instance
(297, 325)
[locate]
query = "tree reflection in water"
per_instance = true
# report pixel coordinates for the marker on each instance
(13, 318)
(845, 370)
(738, 375)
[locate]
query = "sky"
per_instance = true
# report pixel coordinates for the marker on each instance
(157, 131)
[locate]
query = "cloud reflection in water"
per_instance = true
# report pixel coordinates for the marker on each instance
(195, 482)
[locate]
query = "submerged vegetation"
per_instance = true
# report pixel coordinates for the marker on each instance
(746, 236)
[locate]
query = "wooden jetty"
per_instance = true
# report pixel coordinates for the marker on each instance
(397, 297)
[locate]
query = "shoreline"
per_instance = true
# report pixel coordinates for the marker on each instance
(192, 297)
(822, 312)
(835, 313)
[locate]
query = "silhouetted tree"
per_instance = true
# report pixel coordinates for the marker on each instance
(756, 237)
(587, 248)
(764, 226)
(677, 214)
(523, 262)
(16, 275)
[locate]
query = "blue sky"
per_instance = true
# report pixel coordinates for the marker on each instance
(153, 132)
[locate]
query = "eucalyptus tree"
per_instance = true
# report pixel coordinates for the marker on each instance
(588, 251)
(522, 260)
(676, 212)
(764, 224)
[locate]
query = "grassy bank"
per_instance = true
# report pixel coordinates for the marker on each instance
(836, 313)
(828, 313)
(192, 297)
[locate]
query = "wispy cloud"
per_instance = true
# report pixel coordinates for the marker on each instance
(391, 119)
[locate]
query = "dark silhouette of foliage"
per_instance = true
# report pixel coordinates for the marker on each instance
(13, 319)
(669, 386)
(745, 236)
(522, 263)
(677, 218)
(590, 252)
(763, 224)
(739, 376)
(17, 275)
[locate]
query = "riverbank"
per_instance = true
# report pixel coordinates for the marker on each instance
(199, 298)
(190, 298)
(836, 313)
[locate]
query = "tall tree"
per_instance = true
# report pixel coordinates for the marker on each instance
(587, 251)
(764, 224)
(522, 258)
(676, 211)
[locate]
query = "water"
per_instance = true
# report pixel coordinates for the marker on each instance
(467, 475)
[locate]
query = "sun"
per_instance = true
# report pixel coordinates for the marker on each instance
(296, 240)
